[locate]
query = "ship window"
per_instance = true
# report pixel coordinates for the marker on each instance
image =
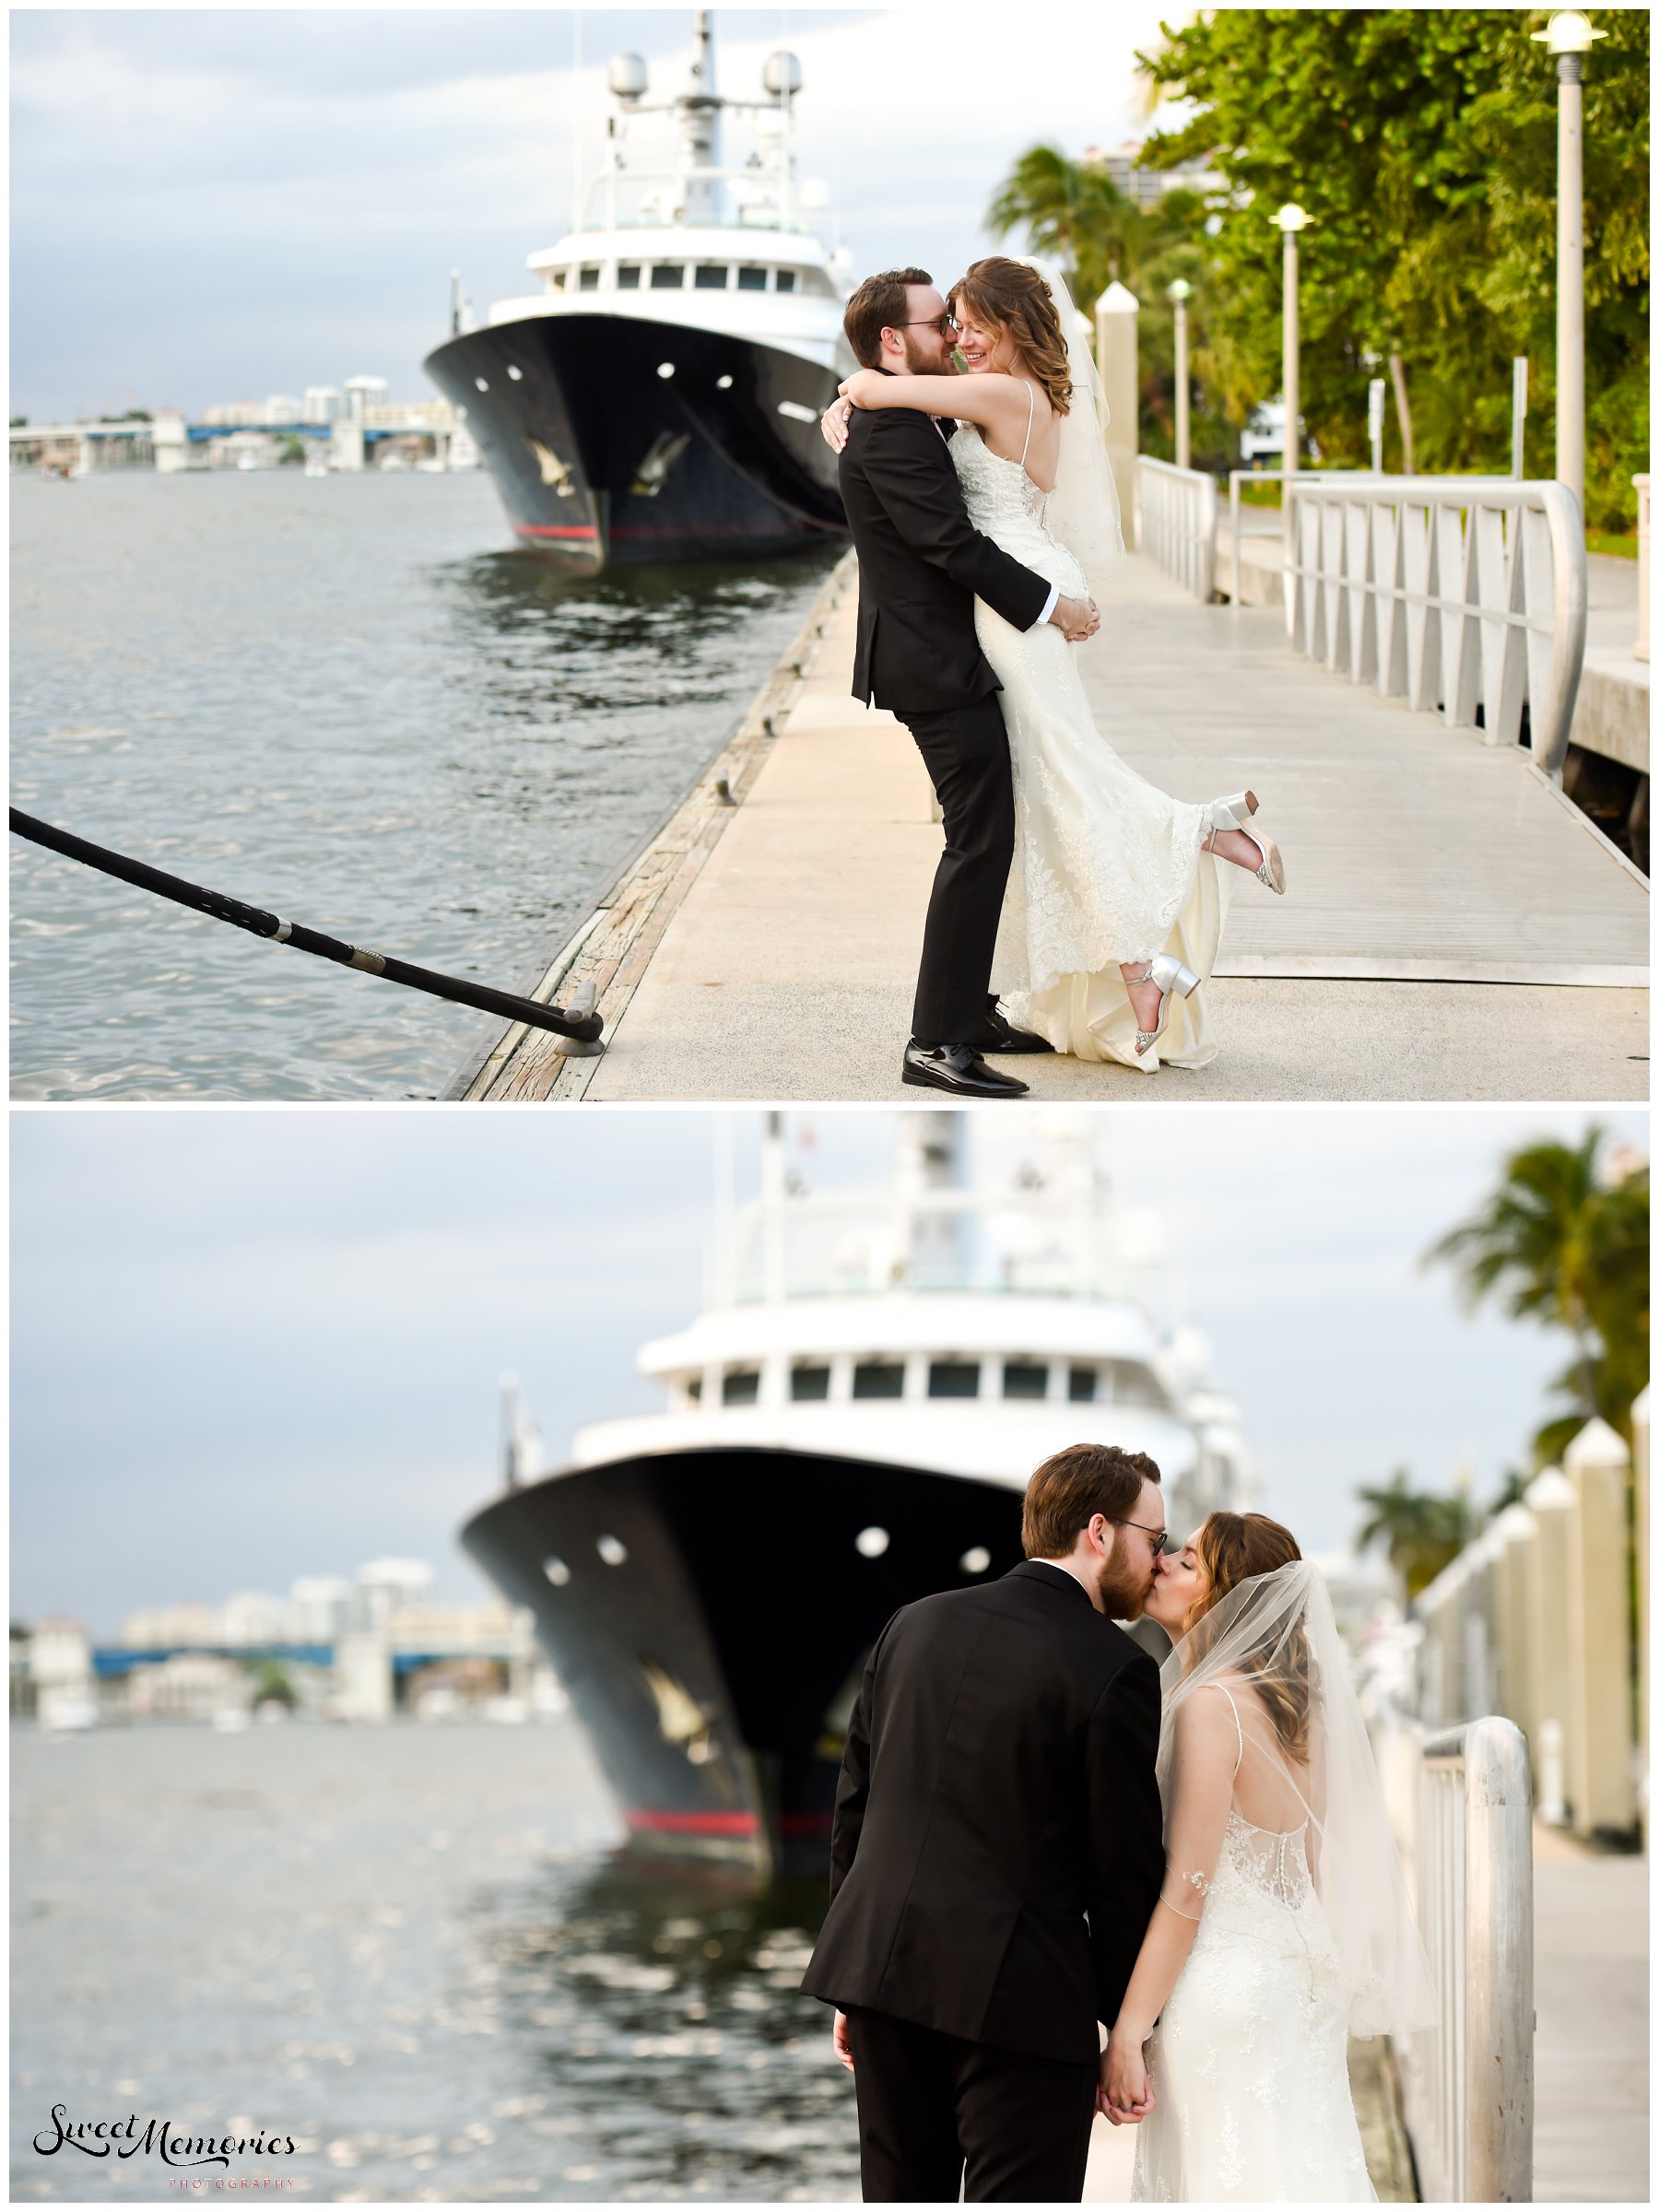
(710, 276)
(627, 276)
(786, 280)
(668, 277)
(974, 1561)
(1082, 1386)
(557, 1572)
(1025, 1379)
(589, 280)
(809, 1383)
(751, 279)
(878, 1379)
(694, 1389)
(953, 1379)
(741, 1387)
(556, 280)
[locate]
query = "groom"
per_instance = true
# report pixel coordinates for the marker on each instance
(921, 564)
(997, 1850)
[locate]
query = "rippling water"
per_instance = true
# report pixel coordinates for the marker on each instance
(412, 1948)
(341, 700)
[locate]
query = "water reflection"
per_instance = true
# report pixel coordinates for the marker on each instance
(679, 2056)
(344, 701)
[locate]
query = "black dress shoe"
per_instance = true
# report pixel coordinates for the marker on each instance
(957, 1068)
(1001, 1036)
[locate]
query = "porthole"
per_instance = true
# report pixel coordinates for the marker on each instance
(872, 1542)
(664, 369)
(722, 384)
(612, 1550)
(515, 372)
(557, 1572)
(974, 1561)
(796, 411)
(481, 385)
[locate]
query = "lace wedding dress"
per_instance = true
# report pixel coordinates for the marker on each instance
(1249, 2059)
(1278, 1843)
(1107, 868)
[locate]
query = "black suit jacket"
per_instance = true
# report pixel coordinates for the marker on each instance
(921, 564)
(999, 1838)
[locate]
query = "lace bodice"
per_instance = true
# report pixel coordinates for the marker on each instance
(1007, 505)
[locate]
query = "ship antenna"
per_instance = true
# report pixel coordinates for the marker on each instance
(723, 1272)
(771, 1205)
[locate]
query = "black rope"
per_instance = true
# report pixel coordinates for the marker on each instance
(584, 1027)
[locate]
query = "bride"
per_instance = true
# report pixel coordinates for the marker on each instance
(1114, 905)
(1283, 1925)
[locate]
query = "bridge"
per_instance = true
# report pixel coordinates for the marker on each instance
(1455, 927)
(113, 1663)
(163, 442)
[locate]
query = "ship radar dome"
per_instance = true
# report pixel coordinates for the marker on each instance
(781, 76)
(627, 76)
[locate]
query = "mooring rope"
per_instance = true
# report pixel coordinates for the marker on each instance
(580, 1023)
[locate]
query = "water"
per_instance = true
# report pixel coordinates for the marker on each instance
(342, 700)
(409, 1947)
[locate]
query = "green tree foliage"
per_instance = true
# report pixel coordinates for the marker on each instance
(1073, 212)
(1420, 1530)
(1423, 143)
(1564, 1243)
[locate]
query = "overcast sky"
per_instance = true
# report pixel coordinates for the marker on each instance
(231, 204)
(252, 1344)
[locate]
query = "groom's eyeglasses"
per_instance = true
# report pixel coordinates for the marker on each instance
(939, 323)
(1161, 1536)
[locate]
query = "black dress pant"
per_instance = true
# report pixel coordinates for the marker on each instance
(930, 2104)
(966, 753)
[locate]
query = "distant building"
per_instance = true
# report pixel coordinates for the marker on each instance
(281, 410)
(1146, 186)
(235, 415)
(323, 403)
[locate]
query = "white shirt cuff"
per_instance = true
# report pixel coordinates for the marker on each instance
(1049, 605)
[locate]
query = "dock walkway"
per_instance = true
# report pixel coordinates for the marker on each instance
(1454, 928)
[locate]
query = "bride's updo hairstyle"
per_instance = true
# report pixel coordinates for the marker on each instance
(1015, 302)
(1231, 1547)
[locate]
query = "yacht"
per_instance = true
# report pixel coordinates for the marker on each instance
(656, 397)
(848, 1425)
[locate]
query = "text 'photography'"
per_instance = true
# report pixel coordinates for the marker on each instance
(535, 1770)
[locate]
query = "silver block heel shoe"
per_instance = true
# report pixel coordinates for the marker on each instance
(1170, 975)
(1234, 814)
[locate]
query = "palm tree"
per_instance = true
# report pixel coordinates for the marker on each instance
(1072, 211)
(1421, 1532)
(1564, 1241)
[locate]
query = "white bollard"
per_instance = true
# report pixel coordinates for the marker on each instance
(1552, 1775)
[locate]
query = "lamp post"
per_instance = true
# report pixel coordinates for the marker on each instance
(1180, 292)
(1291, 218)
(1569, 37)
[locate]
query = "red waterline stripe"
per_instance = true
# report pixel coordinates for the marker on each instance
(697, 1824)
(556, 529)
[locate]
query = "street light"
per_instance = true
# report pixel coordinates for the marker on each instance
(1291, 218)
(1180, 292)
(1570, 37)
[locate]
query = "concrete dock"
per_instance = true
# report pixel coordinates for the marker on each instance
(1454, 929)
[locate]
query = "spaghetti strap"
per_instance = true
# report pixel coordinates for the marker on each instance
(1030, 414)
(1237, 1723)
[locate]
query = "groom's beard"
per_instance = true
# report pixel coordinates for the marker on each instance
(1123, 1590)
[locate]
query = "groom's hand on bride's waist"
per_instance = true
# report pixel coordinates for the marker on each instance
(1079, 619)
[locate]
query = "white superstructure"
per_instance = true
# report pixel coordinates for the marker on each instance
(937, 1326)
(690, 240)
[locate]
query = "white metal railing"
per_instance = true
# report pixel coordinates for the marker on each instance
(1462, 595)
(1176, 513)
(1461, 1801)
(1238, 477)
(1642, 567)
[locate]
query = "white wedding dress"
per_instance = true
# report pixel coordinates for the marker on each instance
(1249, 2058)
(1107, 868)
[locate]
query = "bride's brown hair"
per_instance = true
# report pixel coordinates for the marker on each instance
(1016, 303)
(1231, 1547)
